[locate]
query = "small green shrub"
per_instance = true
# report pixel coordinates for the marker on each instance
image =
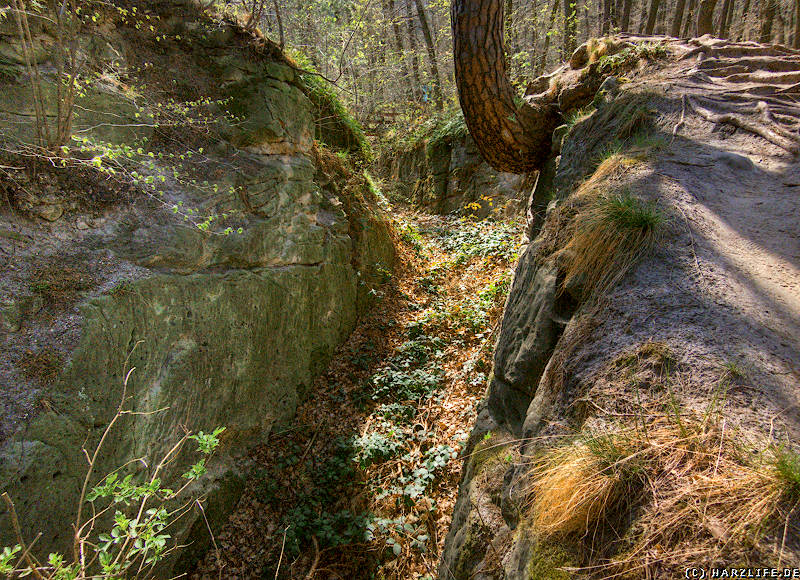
(397, 412)
(374, 447)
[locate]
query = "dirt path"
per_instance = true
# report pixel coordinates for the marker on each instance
(732, 169)
(365, 479)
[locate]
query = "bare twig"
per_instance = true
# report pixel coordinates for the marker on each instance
(18, 532)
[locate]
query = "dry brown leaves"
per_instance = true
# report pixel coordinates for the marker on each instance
(286, 468)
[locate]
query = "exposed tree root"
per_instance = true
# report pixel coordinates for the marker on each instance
(771, 131)
(750, 86)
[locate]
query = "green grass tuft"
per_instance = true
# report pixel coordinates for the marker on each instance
(629, 212)
(787, 463)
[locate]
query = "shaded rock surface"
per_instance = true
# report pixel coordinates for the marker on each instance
(451, 176)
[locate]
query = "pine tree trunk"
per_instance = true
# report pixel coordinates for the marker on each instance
(606, 26)
(767, 18)
(705, 17)
(643, 17)
(796, 39)
(677, 19)
(689, 19)
(661, 20)
(436, 80)
(509, 138)
(743, 24)
(725, 18)
(626, 15)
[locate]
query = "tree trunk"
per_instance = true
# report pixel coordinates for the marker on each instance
(767, 18)
(661, 21)
(416, 88)
(725, 17)
(570, 27)
(687, 27)
(606, 26)
(389, 8)
(705, 17)
(643, 17)
(548, 34)
(677, 20)
(280, 24)
(743, 25)
(651, 16)
(796, 40)
(509, 138)
(436, 80)
(535, 32)
(626, 15)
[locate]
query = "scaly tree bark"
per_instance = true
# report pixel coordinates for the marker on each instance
(705, 17)
(436, 80)
(510, 137)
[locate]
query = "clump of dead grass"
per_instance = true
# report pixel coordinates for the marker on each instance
(575, 486)
(43, 366)
(697, 495)
(610, 235)
(60, 283)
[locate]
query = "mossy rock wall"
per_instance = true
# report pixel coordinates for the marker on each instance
(222, 330)
(450, 175)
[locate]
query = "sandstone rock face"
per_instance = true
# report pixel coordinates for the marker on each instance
(452, 176)
(562, 363)
(222, 330)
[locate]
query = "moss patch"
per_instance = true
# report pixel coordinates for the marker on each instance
(547, 563)
(334, 124)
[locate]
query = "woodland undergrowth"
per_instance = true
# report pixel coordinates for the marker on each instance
(364, 482)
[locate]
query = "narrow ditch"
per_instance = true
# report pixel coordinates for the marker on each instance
(363, 483)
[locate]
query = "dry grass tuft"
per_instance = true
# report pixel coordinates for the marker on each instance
(697, 496)
(610, 235)
(43, 366)
(576, 486)
(59, 283)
